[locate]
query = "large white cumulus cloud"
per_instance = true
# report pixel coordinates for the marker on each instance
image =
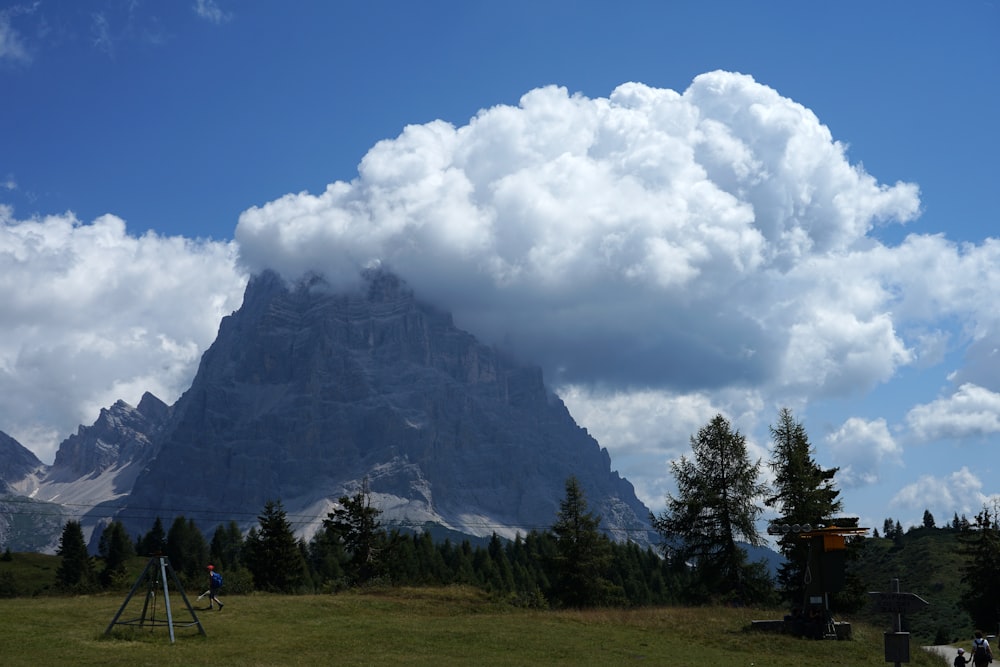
(92, 314)
(665, 256)
(690, 238)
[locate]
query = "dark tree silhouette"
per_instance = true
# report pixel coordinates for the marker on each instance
(715, 507)
(226, 550)
(980, 543)
(115, 548)
(153, 542)
(803, 493)
(583, 558)
(355, 526)
(186, 548)
(272, 553)
(76, 569)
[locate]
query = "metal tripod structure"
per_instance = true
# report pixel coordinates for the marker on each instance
(156, 574)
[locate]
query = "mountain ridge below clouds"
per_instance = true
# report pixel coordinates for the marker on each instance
(309, 392)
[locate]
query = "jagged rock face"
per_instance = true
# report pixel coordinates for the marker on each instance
(121, 435)
(92, 468)
(305, 392)
(16, 462)
(25, 525)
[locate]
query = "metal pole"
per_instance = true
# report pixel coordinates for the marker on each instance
(129, 596)
(180, 589)
(166, 597)
(899, 617)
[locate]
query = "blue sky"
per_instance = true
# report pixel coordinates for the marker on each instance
(677, 209)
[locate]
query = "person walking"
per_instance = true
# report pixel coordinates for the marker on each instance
(981, 653)
(214, 584)
(961, 660)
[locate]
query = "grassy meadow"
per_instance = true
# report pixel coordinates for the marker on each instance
(432, 626)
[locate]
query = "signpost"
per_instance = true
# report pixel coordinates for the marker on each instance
(898, 603)
(897, 643)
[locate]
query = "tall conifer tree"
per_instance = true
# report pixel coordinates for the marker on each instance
(980, 544)
(186, 548)
(804, 493)
(226, 549)
(584, 554)
(76, 569)
(356, 526)
(153, 542)
(115, 548)
(272, 552)
(715, 507)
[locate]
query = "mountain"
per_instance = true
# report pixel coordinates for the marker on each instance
(305, 394)
(308, 391)
(100, 462)
(17, 464)
(121, 435)
(93, 469)
(25, 524)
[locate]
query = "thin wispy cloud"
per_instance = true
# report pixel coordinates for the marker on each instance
(210, 11)
(100, 34)
(13, 48)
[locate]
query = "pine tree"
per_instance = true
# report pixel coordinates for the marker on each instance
(584, 554)
(504, 574)
(355, 524)
(326, 560)
(461, 564)
(716, 506)
(928, 519)
(186, 549)
(429, 561)
(980, 544)
(226, 550)
(115, 548)
(401, 561)
(154, 542)
(76, 569)
(803, 493)
(272, 552)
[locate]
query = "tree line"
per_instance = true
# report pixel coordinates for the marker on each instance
(573, 564)
(699, 559)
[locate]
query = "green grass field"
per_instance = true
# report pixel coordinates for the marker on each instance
(435, 626)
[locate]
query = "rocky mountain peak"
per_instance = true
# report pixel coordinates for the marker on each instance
(120, 435)
(16, 462)
(308, 390)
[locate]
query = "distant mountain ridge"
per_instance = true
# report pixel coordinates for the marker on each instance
(308, 391)
(93, 468)
(17, 463)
